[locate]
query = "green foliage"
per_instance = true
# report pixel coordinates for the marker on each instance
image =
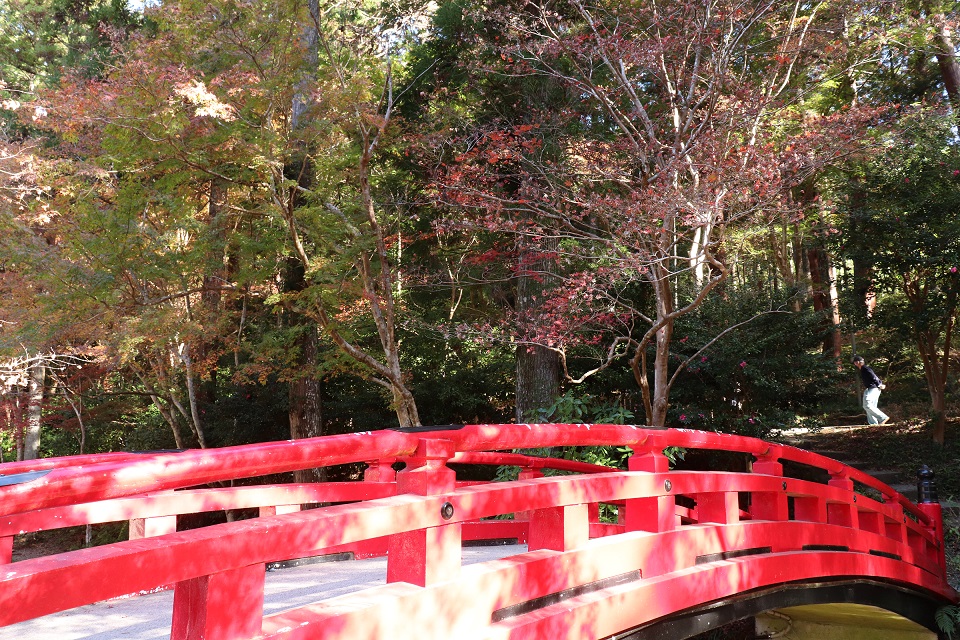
(948, 619)
(577, 408)
(906, 226)
(903, 225)
(7, 446)
(121, 250)
(573, 408)
(766, 374)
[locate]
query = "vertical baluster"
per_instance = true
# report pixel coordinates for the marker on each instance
(426, 556)
(222, 606)
(655, 513)
(769, 505)
(809, 509)
(6, 549)
(149, 527)
(721, 508)
(843, 514)
(559, 528)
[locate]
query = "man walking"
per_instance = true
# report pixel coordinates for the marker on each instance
(871, 392)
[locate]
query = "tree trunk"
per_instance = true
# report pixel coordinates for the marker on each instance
(825, 299)
(183, 352)
(305, 404)
(939, 415)
(31, 438)
(405, 407)
(211, 297)
(946, 53)
(305, 410)
(936, 364)
(539, 369)
(780, 248)
(863, 285)
(661, 363)
(801, 266)
(836, 342)
(538, 380)
(661, 376)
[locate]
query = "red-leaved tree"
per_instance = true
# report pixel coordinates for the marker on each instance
(687, 131)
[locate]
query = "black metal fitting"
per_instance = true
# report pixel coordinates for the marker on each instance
(446, 511)
(926, 486)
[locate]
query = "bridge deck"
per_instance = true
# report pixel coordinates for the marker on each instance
(147, 616)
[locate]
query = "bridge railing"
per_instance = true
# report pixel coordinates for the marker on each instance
(422, 515)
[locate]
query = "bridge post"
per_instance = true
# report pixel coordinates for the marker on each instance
(6, 549)
(929, 504)
(526, 473)
(844, 514)
(279, 510)
(149, 527)
(222, 606)
(719, 508)
(654, 514)
(426, 556)
(810, 509)
(380, 471)
(559, 528)
(769, 505)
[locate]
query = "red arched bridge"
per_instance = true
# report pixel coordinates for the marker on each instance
(685, 550)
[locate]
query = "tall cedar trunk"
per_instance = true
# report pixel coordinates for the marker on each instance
(824, 299)
(863, 285)
(305, 411)
(935, 372)
(780, 247)
(538, 368)
(305, 405)
(538, 380)
(822, 282)
(936, 360)
(835, 338)
(31, 437)
(939, 402)
(210, 297)
(801, 265)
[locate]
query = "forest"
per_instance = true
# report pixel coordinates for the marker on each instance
(234, 221)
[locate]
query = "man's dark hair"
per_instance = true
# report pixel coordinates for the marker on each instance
(857, 359)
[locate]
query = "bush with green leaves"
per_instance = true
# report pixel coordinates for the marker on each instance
(769, 373)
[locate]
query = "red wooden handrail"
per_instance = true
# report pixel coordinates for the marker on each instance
(67, 484)
(791, 530)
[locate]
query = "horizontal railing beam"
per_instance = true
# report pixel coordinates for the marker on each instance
(93, 573)
(190, 501)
